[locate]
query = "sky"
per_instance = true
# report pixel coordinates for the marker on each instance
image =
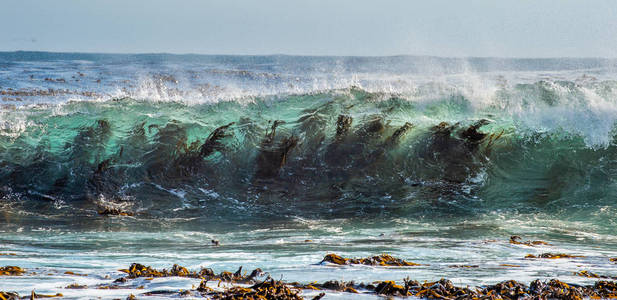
(501, 28)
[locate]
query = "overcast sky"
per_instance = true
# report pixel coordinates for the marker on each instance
(518, 28)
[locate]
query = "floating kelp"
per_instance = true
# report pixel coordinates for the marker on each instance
(343, 123)
(76, 286)
(206, 274)
(553, 256)
(11, 271)
(333, 285)
(399, 134)
(463, 266)
(379, 260)
(108, 211)
(516, 240)
(588, 274)
(34, 295)
(213, 143)
(139, 270)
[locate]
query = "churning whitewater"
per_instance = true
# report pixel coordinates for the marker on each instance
(284, 159)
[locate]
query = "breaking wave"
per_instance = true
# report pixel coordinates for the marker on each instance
(431, 150)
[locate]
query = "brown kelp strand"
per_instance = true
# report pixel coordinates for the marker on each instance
(34, 295)
(589, 274)
(378, 260)
(553, 256)
(517, 240)
(11, 271)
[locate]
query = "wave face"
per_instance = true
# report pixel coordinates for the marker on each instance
(256, 138)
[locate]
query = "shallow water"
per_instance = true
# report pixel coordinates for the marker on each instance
(129, 134)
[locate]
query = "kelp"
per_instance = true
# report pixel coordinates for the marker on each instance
(589, 274)
(267, 289)
(333, 285)
(516, 240)
(379, 260)
(11, 271)
(553, 256)
(138, 270)
(206, 274)
(511, 289)
(109, 211)
(9, 296)
(34, 295)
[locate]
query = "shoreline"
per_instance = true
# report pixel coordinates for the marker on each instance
(258, 284)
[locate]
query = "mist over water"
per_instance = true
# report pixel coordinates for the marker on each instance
(436, 160)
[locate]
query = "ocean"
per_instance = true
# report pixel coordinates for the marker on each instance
(112, 159)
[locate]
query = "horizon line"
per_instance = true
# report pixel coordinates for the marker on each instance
(310, 55)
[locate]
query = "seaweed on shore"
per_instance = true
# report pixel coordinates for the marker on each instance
(445, 289)
(378, 260)
(9, 296)
(267, 289)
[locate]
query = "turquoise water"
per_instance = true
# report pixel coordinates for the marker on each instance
(493, 148)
